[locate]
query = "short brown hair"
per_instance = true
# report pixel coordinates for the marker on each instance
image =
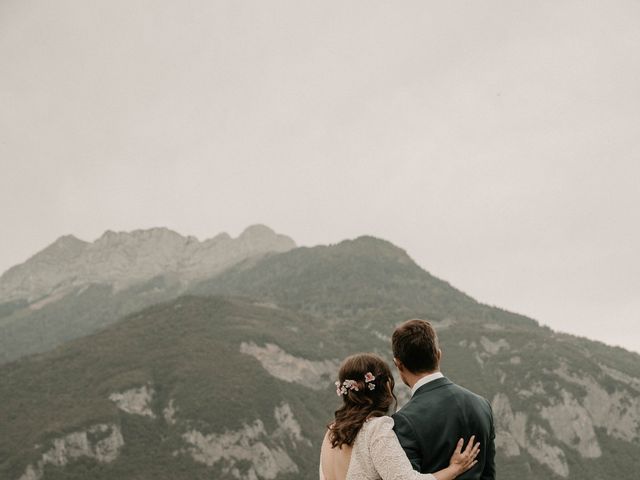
(415, 344)
(363, 402)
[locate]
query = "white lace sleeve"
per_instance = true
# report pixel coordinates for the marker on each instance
(387, 455)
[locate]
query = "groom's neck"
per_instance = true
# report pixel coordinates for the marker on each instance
(413, 378)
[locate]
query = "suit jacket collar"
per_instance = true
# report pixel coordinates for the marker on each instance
(424, 380)
(428, 387)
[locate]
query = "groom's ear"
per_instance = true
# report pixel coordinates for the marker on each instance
(439, 357)
(398, 364)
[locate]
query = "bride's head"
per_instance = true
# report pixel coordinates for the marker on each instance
(365, 385)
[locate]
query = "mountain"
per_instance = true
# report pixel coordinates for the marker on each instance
(353, 279)
(123, 259)
(562, 402)
(73, 288)
(233, 379)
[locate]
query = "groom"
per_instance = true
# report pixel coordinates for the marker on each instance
(439, 412)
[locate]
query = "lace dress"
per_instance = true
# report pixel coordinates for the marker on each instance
(377, 455)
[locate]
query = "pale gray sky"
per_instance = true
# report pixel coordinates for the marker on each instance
(498, 142)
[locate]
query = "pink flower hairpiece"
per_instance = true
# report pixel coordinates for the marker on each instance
(344, 387)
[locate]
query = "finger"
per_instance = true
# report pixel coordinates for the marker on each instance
(459, 446)
(470, 444)
(475, 450)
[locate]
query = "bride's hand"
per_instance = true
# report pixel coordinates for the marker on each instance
(461, 461)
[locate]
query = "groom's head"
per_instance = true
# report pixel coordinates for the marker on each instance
(415, 349)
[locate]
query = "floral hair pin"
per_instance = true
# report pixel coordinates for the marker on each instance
(368, 380)
(344, 387)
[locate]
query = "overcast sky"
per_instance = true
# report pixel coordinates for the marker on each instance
(497, 142)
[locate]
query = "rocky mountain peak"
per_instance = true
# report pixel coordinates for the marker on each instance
(377, 247)
(221, 237)
(110, 237)
(65, 245)
(261, 234)
(121, 259)
(257, 231)
(69, 240)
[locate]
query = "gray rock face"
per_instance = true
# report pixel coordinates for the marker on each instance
(104, 449)
(122, 259)
(571, 423)
(541, 448)
(136, 401)
(617, 412)
(316, 375)
(169, 413)
(288, 426)
(515, 433)
(511, 428)
(251, 452)
(494, 347)
(568, 422)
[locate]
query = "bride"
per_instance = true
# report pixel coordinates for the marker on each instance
(360, 443)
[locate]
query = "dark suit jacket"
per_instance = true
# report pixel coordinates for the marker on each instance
(438, 414)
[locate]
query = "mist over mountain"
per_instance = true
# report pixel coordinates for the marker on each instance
(230, 376)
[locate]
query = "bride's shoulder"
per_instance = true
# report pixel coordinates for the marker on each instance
(379, 424)
(378, 430)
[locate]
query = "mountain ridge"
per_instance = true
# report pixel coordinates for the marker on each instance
(126, 258)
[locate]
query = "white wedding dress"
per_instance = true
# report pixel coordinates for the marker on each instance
(377, 455)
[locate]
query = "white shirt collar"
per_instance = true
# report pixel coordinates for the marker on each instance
(426, 379)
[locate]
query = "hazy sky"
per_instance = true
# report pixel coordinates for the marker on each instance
(498, 142)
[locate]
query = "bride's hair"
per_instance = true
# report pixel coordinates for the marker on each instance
(362, 397)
